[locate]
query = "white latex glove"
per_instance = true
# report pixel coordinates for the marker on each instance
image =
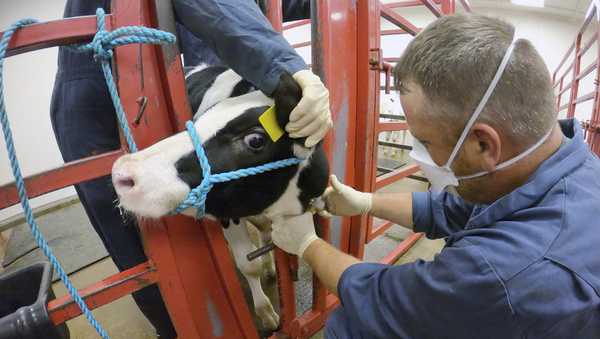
(311, 118)
(344, 200)
(294, 234)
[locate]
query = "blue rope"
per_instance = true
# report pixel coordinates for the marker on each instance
(197, 196)
(39, 238)
(102, 44)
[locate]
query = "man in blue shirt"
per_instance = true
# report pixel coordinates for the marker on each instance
(514, 193)
(230, 32)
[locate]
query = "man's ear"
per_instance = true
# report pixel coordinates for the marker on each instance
(286, 96)
(489, 146)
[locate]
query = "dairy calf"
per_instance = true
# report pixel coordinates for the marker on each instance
(152, 182)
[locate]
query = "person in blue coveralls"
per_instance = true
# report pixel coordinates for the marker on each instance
(230, 32)
(515, 194)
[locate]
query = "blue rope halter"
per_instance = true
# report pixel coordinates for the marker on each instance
(197, 196)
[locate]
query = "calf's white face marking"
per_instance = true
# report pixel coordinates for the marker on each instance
(153, 181)
(148, 183)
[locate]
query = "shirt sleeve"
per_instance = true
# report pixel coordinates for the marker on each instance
(441, 215)
(454, 296)
(242, 38)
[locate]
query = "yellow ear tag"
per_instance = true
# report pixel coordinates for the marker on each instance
(269, 122)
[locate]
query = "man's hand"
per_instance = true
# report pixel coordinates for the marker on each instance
(294, 234)
(311, 118)
(345, 201)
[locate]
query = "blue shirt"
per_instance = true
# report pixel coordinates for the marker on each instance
(525, 266)
(234, 32)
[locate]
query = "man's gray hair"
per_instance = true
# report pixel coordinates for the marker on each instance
(454, 60)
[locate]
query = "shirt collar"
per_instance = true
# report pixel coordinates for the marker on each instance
(571, 154)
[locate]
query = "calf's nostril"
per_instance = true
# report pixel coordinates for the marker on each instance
(125, 182)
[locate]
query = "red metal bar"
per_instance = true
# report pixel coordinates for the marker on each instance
(302, 44)
(393, 32)
(287, 296)
(562, 62)
(368, 80)
(466, 5)
(275, 14)
(309, 323)
(587, 45)
(54, 33)
(67, 175)
(378, 229)
(395, 175)
(575, 81)
(391, 59)
(432, 7)
(391, 126)
(562, 91)
(585, 72)
(296, 24)
(103, 292)
(561, 108)
(586, 97)
(402, 248)
(398, 20)
(415, 3)
(558, 97)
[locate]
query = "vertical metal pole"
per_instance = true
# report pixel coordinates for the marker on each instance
(575, 81)
(275, 14)
(367, 96)
(332, 31)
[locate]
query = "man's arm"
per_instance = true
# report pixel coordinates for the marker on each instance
(241, 37)
(455, 295)
(328, 263)
(395, 207)
(438, 216)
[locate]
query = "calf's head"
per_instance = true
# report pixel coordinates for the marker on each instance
(152, 182)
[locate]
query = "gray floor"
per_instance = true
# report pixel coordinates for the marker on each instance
(68, 233)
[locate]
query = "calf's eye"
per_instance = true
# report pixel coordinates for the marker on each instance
(255, 141)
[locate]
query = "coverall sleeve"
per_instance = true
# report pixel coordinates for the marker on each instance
(242, 38)
(454, 296)
(440, 215)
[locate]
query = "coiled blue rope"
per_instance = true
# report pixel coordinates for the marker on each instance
(197, 196)
(102, 44)
(39, 238)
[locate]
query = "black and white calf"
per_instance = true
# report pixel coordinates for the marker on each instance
(152, 182)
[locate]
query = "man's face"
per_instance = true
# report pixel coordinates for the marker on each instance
(440, 138)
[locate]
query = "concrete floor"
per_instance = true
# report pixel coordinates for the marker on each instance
(122, 318)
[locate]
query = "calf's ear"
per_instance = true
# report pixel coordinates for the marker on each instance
(286, 96)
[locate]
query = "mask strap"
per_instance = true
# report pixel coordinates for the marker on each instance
(513, 160)
(483, 102)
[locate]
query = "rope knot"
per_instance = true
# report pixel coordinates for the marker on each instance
(98, 46)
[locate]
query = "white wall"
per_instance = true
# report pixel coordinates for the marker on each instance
(28, 81)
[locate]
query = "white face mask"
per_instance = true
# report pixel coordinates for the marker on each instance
(442, 177)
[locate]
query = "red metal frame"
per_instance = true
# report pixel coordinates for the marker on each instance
(575, 53)
(190, 260)
(354, 83)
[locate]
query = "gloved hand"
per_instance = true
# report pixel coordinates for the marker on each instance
(344, 200)
(294, 234)
(311, 118)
